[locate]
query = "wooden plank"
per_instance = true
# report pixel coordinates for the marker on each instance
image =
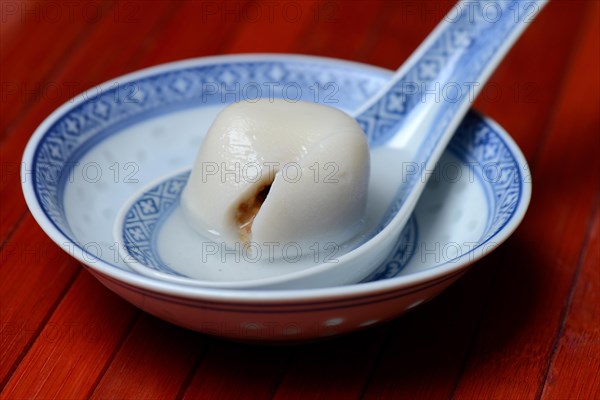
(406, 25)
(575, 368)
(88, 67)
(516, 337)
(341, 29)
(425, 350)
(26, 311)
(30, 312)
(271, 27)
(13, 25)
(58, 29)
(35, 274)
(337, 369)
(237, 371)
(153, 362)
(430, 344)
(191, 32)
(70, 354)
(527, 84)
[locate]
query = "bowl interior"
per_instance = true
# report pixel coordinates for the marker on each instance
(95, 153)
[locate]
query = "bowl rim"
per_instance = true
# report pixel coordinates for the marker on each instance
(131, 278)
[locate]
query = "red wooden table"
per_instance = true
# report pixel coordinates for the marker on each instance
(523, 323)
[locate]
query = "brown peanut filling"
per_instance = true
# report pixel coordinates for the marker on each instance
(247, 211)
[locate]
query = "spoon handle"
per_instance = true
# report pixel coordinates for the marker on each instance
(419, 109)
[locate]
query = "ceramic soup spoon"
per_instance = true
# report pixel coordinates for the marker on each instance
(408, 125)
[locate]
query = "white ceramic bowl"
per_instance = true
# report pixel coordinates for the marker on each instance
(90, 155)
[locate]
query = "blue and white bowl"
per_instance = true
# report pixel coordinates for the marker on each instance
(86, 159)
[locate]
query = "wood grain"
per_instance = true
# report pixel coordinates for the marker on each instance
(436, 341)
(71, 352)
(330, 371)
(276, 30)
(430, 344)
(403, 26)
(190, 33)
(26, 303)
(521, 324)
(22, 230)
(526, 303)
(255, 370)
(340, 30)
(575, 368)
(153, 362)
(59, 28)
(79, 74)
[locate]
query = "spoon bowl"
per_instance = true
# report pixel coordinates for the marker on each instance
(154, 238)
